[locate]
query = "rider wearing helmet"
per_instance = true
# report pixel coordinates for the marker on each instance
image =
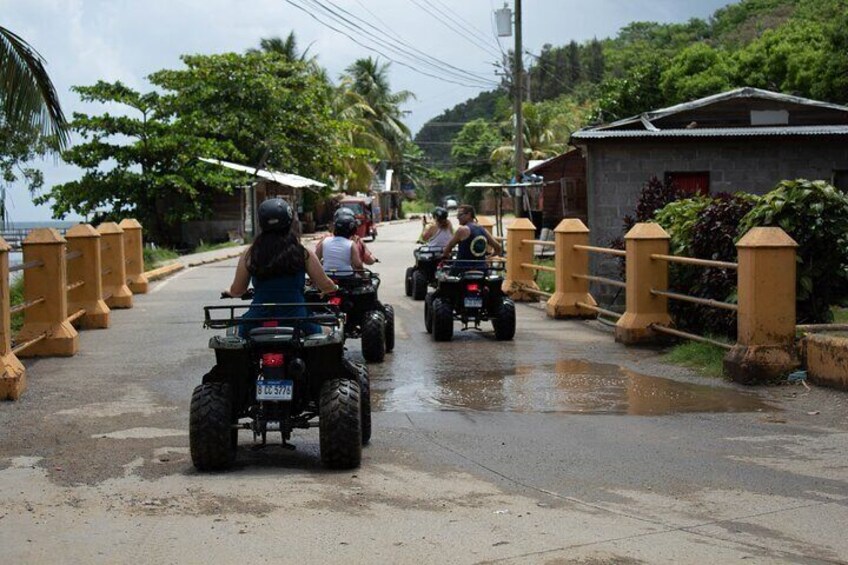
(440, 232)
(340, 252)
(277, 264)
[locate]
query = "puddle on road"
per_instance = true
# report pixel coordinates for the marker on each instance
(568, 386)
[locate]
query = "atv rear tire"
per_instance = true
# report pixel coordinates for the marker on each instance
(389, 313)
(504, 323)
(374, 337)
(340, 424)
(419, 285)
(212, 437)
(407, 284)
(365, 403)
(442, 320)
(428, 313)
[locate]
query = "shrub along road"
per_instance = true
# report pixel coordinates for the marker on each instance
(560, 445)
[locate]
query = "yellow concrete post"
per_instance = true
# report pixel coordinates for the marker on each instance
(47, 287)
(116, 293)
(86, 268)
(518, 277)
(134, 249)
(12, 371)
(765, 347)
(569, 262)
(487, 224)
(644, 274)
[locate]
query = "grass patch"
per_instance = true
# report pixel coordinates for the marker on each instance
(545, 280)
(16, 296)
(417, 207)
(203, 247)
(840, 315)
(703, 357)
(155, 257)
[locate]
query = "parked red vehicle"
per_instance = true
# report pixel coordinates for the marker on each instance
(363, 209)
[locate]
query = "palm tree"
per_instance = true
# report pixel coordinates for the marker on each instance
(368, 79)
(27, 96)
(286, 47)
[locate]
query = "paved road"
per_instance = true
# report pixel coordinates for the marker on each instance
(558, 447)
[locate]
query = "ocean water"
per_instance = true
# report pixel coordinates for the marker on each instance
(16, 257)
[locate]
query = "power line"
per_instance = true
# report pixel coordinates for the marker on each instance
(376, 50)
(459, 31)
(471, 27)
(404, 48)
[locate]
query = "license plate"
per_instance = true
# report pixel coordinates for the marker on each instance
(473, 302)
(274, 390)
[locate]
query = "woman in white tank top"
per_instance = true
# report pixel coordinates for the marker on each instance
(439, 233)
(338, 253)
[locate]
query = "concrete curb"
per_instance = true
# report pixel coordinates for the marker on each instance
(163, 271)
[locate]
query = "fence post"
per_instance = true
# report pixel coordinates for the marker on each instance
(134, 249)
(518, 277)
(116, 293)
(48, 286)
(487, 224)
(569, 261)
(765, 347)
(86, 268)
(644, 274)
(12, 371)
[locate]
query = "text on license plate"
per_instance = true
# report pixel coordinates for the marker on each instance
(274, 390)
(473, 302)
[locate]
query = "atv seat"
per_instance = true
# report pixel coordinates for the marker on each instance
(473, 275)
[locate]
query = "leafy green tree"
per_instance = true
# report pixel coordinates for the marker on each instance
(639, 91)
(695, 72)
(273, 111)
(594, 63)
(138, 165)
(19, 147)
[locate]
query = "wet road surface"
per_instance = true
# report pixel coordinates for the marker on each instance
(560, 446)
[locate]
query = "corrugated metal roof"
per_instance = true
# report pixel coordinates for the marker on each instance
(285, 179)
(711, 132)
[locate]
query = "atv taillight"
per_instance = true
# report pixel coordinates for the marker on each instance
(269, 324)
(473, 287)
(273, 359)
(336, 300)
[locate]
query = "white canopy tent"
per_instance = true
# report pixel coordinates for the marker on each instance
(500, 193)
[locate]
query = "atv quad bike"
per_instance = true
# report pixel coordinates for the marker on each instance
(470, 295)
(279, 377)
(423, 274)
(365, 316)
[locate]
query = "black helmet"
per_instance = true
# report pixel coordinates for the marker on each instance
(344, 225)
(275, 214)
(440, 213)
(343, 211)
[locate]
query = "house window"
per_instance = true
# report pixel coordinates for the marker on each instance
(840, 180)
(690, 182)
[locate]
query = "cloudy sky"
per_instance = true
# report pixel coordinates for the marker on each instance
(88, 40)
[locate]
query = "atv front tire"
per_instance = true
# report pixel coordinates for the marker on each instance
(407, 285)
(374, 337)
(389, 313)
(211, 435)
(340, 424)
(419, 285)
(428, 313)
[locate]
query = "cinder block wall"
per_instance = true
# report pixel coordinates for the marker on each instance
(617, 170)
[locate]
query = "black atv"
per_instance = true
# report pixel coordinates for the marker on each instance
(365, 316)
(279, 377)
(470, 295)
(423, 274)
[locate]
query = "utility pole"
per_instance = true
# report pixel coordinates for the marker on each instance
(518, 89)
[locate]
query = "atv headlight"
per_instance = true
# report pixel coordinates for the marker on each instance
(425, 256)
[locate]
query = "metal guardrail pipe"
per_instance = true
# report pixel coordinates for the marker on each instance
(24, 305)
(538, 292)
(693, 337)
(26, 265)
(536, 267)
(18, 348)
(73, 255)
(77, 284)
(695, 261)
(599, 310)
(604, 250)
(602, 280)
(812, 328)
(539, 242)
(75, 316)
(694, 300)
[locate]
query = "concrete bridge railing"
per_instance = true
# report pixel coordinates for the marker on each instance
(68, 282)
(765, 309)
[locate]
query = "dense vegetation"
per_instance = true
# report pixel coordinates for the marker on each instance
(793, 46)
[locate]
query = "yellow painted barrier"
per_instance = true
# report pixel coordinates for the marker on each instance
(519, 278)
(46, 323)
(116, 293)
(134, 250)
(642, 275)
(765, 347)
(570, 290)
(85, 266)
(12, 371)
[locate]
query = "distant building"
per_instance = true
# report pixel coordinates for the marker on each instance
(564, 188)
(742, 140)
